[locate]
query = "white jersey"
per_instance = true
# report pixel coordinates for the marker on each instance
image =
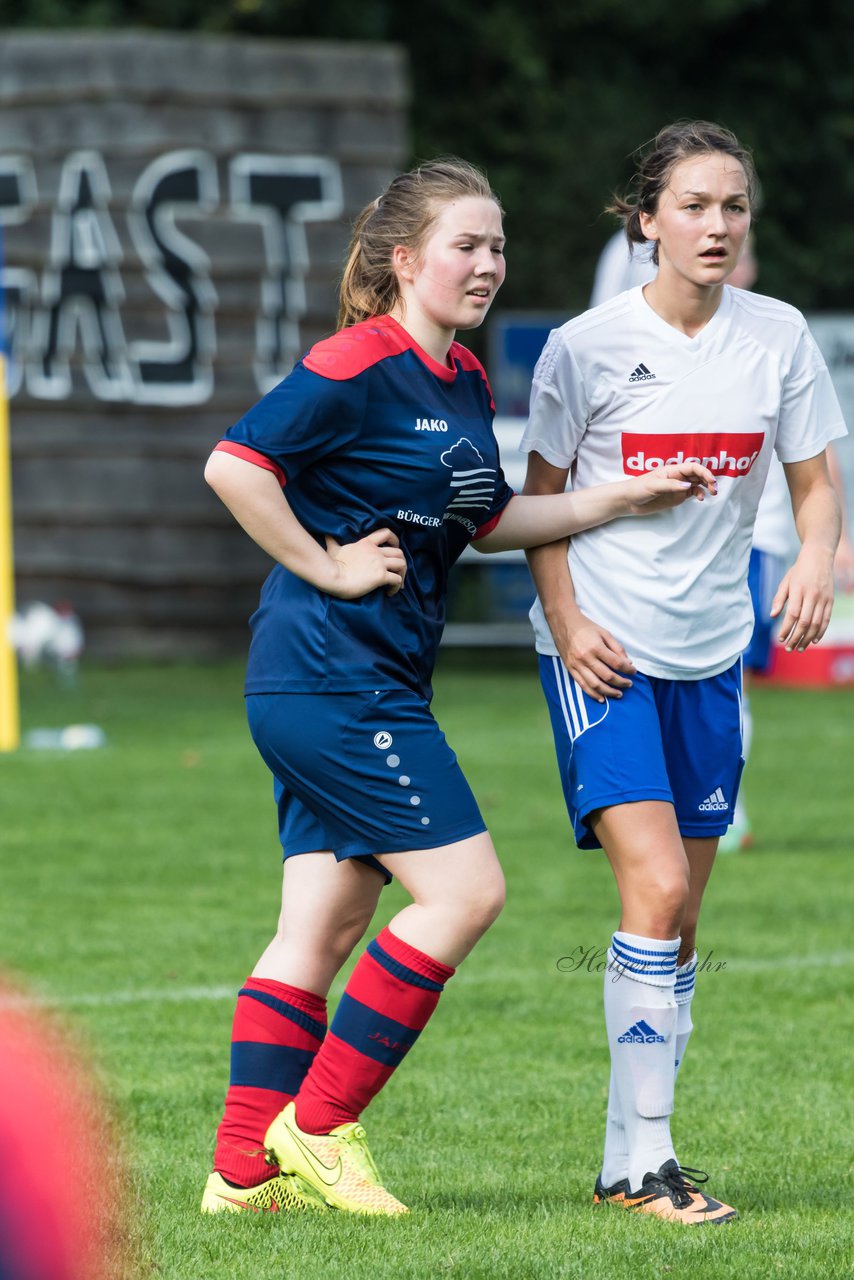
(774, 531)
(617, 392)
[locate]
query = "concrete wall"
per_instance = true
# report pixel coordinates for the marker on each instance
(175, 212)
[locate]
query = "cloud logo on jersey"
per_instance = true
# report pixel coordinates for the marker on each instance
(474, 483)
(640, 1032)
(725, 453)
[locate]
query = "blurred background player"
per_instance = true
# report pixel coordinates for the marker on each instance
(51, 635)
(623, 266)
(649, 745)
(773, 537)
(365, 474)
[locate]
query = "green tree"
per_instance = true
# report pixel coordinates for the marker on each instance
(553, 99)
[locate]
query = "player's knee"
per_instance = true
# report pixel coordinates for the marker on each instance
(350, 932)
(493, 902)
(482, 906)
(667, 899)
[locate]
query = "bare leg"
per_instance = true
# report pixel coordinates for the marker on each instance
(326, 908)
(648, 858)
(457, 892)
(701, 859)
(661, 877)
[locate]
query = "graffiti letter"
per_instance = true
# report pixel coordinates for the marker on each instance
(18, 195)
(283, 193)
(82, 290)
(178, 371)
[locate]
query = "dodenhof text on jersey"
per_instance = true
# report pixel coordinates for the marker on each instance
(726, 453)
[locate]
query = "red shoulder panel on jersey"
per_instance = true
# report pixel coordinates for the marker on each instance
(484, 529)
(250, 455)
(469, 362)
(351, 351)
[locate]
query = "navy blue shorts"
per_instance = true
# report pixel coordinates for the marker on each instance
(361, 773)
(673, 740)
(763, 577)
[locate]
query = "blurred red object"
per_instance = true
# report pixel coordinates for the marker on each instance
(822, 666)
(61, 1188)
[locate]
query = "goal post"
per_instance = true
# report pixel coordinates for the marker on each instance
(9, 707)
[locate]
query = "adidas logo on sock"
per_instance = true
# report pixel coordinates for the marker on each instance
(641, 1033)
(715, 803)
(641, 374)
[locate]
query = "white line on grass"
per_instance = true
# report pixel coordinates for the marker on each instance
(153, 995)
(834, 960)
(182, 995)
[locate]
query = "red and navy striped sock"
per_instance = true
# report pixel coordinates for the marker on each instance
(276, 1033)
(391, 994)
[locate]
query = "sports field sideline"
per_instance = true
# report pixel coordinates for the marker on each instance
(141, 880)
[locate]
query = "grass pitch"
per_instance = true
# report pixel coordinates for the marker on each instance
(141, 880)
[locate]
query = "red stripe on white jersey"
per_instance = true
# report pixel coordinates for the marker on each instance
(726, 453)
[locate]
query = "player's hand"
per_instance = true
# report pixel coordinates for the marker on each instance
(806, 592)
(363, 566)
(593, 657)
(670, 486)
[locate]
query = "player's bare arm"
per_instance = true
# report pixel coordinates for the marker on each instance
(529, 520)
(843, 561)
(589, 652)
(255, 499)
(806, 592)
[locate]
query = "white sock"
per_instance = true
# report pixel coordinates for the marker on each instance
(684, 993)
(615, 1157)
(640, 1017)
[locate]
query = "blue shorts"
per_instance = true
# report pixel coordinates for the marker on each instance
(763, 577)
(672, 740)
(361, 773)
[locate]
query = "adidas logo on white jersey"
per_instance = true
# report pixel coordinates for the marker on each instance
(715, 803)
(641, 374)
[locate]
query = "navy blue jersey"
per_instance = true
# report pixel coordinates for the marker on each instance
(369, 432)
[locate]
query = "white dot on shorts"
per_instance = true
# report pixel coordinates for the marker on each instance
(414, 799)
(392, 761)
(425, 822)
(404, 779)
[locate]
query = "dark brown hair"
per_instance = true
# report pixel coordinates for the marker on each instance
(673, 144)
(403, 214)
